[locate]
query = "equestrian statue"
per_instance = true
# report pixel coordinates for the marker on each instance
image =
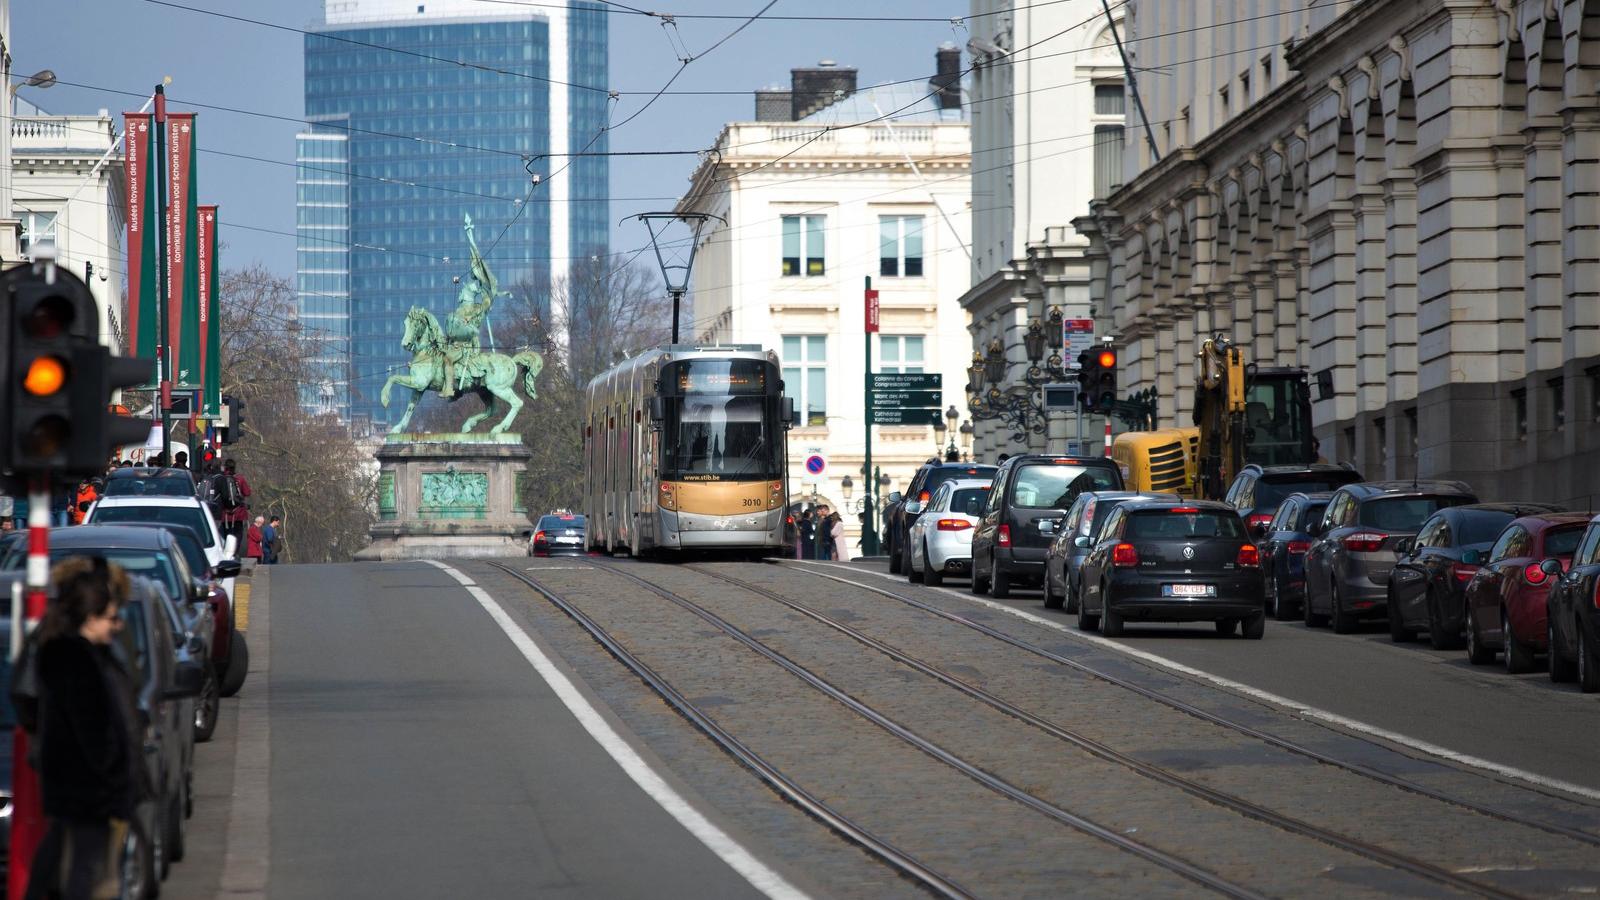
(450, 361)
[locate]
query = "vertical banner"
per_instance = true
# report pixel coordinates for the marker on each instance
(183, 274)
(144, 306)
(210, 322)
(873, 315)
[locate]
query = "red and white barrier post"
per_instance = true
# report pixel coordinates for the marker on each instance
(27, 814)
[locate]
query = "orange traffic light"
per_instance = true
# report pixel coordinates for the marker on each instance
(45, 376)
(1108, 359)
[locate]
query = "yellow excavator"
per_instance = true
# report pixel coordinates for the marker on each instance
(1243, 414)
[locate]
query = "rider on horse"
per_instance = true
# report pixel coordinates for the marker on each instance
(461, 328)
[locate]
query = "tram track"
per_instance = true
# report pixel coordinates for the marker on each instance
(787, 787)
(1190, 709)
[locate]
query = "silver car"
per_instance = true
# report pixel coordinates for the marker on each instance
(940, 540)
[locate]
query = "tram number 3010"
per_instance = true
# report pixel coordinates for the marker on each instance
(750, 501)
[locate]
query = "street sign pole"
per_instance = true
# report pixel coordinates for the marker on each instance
(869, 534)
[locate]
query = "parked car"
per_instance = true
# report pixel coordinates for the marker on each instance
(902, 511)
(187, 511)
(941, 538)
(1427, 586)
(1031, 494)
(1257, 490)
(1347, 566)
(1074, 535)
(146, 481)
(1573, 620)
(1506, 603)
(165, 686)
(1283, 552)
(230, 660)
(1173, 561)
(558, 534)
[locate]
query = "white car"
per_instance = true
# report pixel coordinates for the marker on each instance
(941, 538)
(187, 511)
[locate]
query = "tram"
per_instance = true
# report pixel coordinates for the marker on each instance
(686, 448)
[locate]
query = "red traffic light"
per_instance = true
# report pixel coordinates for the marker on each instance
(1107, 359)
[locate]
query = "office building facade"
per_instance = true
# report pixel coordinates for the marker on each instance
(421, 115)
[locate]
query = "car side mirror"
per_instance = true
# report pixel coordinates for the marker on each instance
(1081, 542)
(658, 409)
(896, 496)
(227, 568)
(1474, 558)
(1404, 546)
(913, 507)
(1552, 567)
(790, 413)
(187, 679)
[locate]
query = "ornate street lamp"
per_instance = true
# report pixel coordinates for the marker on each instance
(994, 363)
(1053, 328)
(951, 416)
(846, 487)
(975, 374)
(938, 434)
(1033, 341)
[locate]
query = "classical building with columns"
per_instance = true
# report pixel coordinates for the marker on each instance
(1399, 196)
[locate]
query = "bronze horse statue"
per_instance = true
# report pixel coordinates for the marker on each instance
(493, 376)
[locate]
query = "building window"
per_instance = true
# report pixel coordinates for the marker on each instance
(37, 227)
(805, 376)
(1558, 403)
(1107, 160)
(803, 243)
(1110, 100)
(1244, 88)
(900, 246)
(900, 353)
(1222, 96)
(1266, 72)
(1519, 415)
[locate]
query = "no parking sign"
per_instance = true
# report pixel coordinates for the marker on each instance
(815, 464)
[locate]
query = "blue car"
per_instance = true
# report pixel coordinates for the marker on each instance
(1283, 551)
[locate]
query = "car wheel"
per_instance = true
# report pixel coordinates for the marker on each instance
(1311, 619)
(1438, 637)
(1111, 622)
(238, 665)
(1275, 599)
(1588, 663)
(1519, 656)
(909, 566)
(931, 576)
(1477, 653)
(1343, 622)
(138, 863)
(1561, 670)
(1255, 627)
(980, 585)
(1398, 632)
(1051, 601)
(1226, 626)
(207, 705)
(897, 565)
(1073, 601)
(999, 581)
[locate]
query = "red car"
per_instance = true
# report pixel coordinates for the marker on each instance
(1507, 600)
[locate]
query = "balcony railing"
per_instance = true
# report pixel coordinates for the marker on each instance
(89, 134)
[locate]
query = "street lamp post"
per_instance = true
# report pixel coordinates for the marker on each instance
(951, 416)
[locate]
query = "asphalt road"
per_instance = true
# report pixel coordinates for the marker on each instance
(415, 753)
(1435, 697)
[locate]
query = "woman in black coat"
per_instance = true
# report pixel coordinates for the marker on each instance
(87, 755)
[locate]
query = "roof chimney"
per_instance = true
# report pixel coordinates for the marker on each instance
(819, 88)
(774, 104)
(947, 76)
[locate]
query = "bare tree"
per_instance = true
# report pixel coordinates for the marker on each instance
(305, 467)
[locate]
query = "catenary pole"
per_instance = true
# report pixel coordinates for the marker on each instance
(1133, 86)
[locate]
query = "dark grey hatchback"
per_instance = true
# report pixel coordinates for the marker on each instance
(1031, 493)
(1173, 561)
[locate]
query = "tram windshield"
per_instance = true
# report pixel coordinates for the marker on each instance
(722, 425)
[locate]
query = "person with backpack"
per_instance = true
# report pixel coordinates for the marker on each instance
(231, 491)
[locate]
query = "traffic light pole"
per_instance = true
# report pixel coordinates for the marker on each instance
(27, 812)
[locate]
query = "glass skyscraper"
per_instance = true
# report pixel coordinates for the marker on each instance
(424, 112)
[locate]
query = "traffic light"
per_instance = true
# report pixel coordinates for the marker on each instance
(1085, 379)
(230, 425)
(1104, 397)
(58, 379)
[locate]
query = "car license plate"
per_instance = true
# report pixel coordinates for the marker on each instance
(568, 540)
(1188, 590)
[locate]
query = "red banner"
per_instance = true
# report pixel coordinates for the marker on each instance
(872, 312)
(139, 167)
(182, 269)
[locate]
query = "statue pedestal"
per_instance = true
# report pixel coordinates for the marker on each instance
(444, 496)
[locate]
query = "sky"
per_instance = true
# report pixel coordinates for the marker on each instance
(100, 47)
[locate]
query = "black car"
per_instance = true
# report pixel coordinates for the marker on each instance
(1173, 561)
(902, 510)
(1427, 586)
(1347, 567)
(1031, 493)
(145, 481)
(1574, 617)
(558, 534)
(1257, 490)
(1283, 552)
(1075, 534)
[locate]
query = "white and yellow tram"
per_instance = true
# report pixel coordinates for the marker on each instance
(685, 448)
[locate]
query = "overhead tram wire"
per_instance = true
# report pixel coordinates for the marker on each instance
(624, 9)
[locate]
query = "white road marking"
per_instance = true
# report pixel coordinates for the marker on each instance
(730, 851)
(1295, 706)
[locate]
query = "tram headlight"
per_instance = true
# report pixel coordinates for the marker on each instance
(775, 495)
(668, 497)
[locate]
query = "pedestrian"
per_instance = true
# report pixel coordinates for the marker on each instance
(269, 541)
(835, 535)
(8, 508)
(88, 763)
(87, 494)
(822, 531)
(6, 525)
(232, 491)
(19, 511)
(253, 537)
(181, 459)
(60, 509)
(808, 535)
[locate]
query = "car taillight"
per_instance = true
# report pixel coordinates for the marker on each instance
(1532, 574)
(1364, 542)
(1299, 547)
(1249, 557)
(1124, 555)
(1261, 519)
(1003, 536)
(923, 497)
(1463, 572)
(538, 536)
(954, 524)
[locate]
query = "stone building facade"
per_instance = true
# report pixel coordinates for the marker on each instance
(1407, 209)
